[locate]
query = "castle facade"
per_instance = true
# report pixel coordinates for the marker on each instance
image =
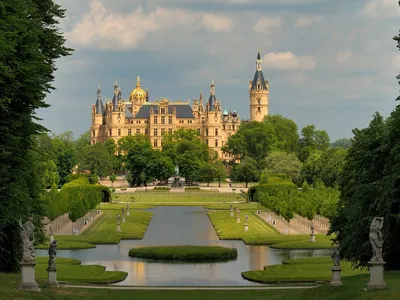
(137, 115)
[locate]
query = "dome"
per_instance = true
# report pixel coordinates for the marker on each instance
(138, 93)
(234, 114)
(225, 113)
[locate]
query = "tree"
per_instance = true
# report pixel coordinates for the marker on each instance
(112, 178)
(329, 166)
(137, 161)
(30, 43)
(220, 171)
(286, 133)
(311, 140)
(278, 163)
(207, 172)
(82, 142)
(246, 171)
(96, 159)
(342, 143)
(161, 166)
(189, 166)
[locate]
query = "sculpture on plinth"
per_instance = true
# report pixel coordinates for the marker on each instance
(51, 266)
(336, 269)
(336, 255)
(51, 233)
(312, 228)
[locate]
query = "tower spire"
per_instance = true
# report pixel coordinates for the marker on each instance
(99, 102)
(258, 62)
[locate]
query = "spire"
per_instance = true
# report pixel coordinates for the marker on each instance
(116, 97)
(99, 103)
(212, 98)
(138, 82)
(258, 82)
(147, 95)
(201, 96)
(258, 62)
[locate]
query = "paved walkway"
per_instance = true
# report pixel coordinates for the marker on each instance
(67, 228)
(193, 288)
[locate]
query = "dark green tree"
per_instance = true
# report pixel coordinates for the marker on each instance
(30, 43)
(246, 171)
(286, 133)
(342, 143)
(311, 140)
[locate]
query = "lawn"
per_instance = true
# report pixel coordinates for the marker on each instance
(300, 270)
(261, 233)
(352, 289)
(103, 230)
(168, 197)
(213, 206)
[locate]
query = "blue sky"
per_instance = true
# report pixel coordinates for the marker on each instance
(329, 63)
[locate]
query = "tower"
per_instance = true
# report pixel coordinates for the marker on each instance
(258, 91)
(97, 119)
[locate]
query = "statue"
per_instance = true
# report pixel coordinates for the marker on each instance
(312, 228)
(127, 206)
(176, 170)
(118, 219)
(28, 256)
(247, 217)
(123, 211)
(238, 212)
(231, 206)
(375, 238)
(51, 230)
(137, 81)
(336, 255)
(52, 257)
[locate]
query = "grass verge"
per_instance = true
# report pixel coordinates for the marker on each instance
(185, 253)
(300, 270)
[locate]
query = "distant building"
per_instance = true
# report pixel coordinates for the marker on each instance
(137, 115)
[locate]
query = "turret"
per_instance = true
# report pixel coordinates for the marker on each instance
(211, 99)
(116, 97)
(258, 92)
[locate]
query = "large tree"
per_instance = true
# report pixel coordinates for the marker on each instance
(30, 42)
(286, 133)
(311, 140)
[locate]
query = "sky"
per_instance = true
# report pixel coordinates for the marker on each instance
(329, 63)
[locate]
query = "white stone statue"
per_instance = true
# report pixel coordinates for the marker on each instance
(312, 228)
(336, 255)
(118, 220)
(27, 230)
(376, 239)
(52, 257)
(176, 170)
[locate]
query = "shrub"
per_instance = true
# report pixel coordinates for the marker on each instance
(162, 188)
(185, 253)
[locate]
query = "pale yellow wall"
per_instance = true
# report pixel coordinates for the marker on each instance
(258, 104)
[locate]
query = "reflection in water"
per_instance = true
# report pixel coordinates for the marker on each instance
(182, 226)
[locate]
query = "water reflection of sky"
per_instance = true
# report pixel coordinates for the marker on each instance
(182, 226)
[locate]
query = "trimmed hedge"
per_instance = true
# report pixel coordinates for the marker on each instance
(93, 179)
(185, 253)
(76, 197)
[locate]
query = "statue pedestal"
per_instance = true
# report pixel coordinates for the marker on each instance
(238, 220)
(51, 238)
(336, 271)
(28, 278)
(52, 279)
(376, 280)
(231, 215)
(312, 238)
(246, 227)
(123, 220)
(128, 213)
(118, 228)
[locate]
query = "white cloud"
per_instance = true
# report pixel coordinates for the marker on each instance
(381, 8)
(70, 65)
(103, 29)
(263, 25)
(305, 21)
(289, 61)
(344, 56)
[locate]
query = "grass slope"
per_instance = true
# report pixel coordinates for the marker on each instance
(165, 197)
(261, 233)
(300, 270)
(185, 253)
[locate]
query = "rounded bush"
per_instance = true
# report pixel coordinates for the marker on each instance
(185, 253)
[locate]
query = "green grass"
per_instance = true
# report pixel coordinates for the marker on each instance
(71, 271)
(300, 270)
(213, 206)
(261, 233)
(103, 230)
(186, 197)
(352, 289)
(185, 253)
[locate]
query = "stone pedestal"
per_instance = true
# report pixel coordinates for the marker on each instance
(246, 227)
(51, 238)
(128, 213)
(336, 271)
(231, 213)
(312, 238)
(376, 280)
(118, 228)
(123, 220)
(238, 220)
(52, 278)
(28, 278)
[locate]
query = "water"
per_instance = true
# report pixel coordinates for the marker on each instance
(182, 225)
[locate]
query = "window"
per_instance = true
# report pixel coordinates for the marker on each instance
(259, 102)
(207, 132)
(258, 86)
(137, 130)
(223, 127)
(163, 110)
(129, 131)
(198, 130)
(110, 132)
(119, 132)
(162, 131)
(259, 109)
(233, 127)
(216, 143)
(170, 130)
(170, 120)
(146, 131)
(207, 142)
(137, 122)
(155, 143)
(216, 131)
(155, 119)
(94, 133)
(155, 131)
(162, 119)
(190, 121)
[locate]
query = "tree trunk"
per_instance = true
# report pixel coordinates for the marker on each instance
(208, 184)
(246, 183)
(219, 183)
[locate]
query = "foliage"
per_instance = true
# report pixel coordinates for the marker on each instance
(196, 254)
(246, 171)
(311, 140)
(93, 179)
(30, 43)
(95, 159)
(285, 131)
(278, 163)
(189, 166)
(342, 143)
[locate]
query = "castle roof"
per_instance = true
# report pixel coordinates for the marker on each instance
(182, 110)
(258, 77)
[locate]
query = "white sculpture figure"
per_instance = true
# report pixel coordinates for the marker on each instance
(27, 230)
(375, 238)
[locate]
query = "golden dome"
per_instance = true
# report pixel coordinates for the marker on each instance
(137, 93)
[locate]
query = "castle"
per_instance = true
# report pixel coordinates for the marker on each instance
(137, 115)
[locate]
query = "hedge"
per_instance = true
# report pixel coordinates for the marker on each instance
(93, 179)
(76, 197)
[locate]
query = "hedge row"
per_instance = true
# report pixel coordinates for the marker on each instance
(287, 200)
(76, 197)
